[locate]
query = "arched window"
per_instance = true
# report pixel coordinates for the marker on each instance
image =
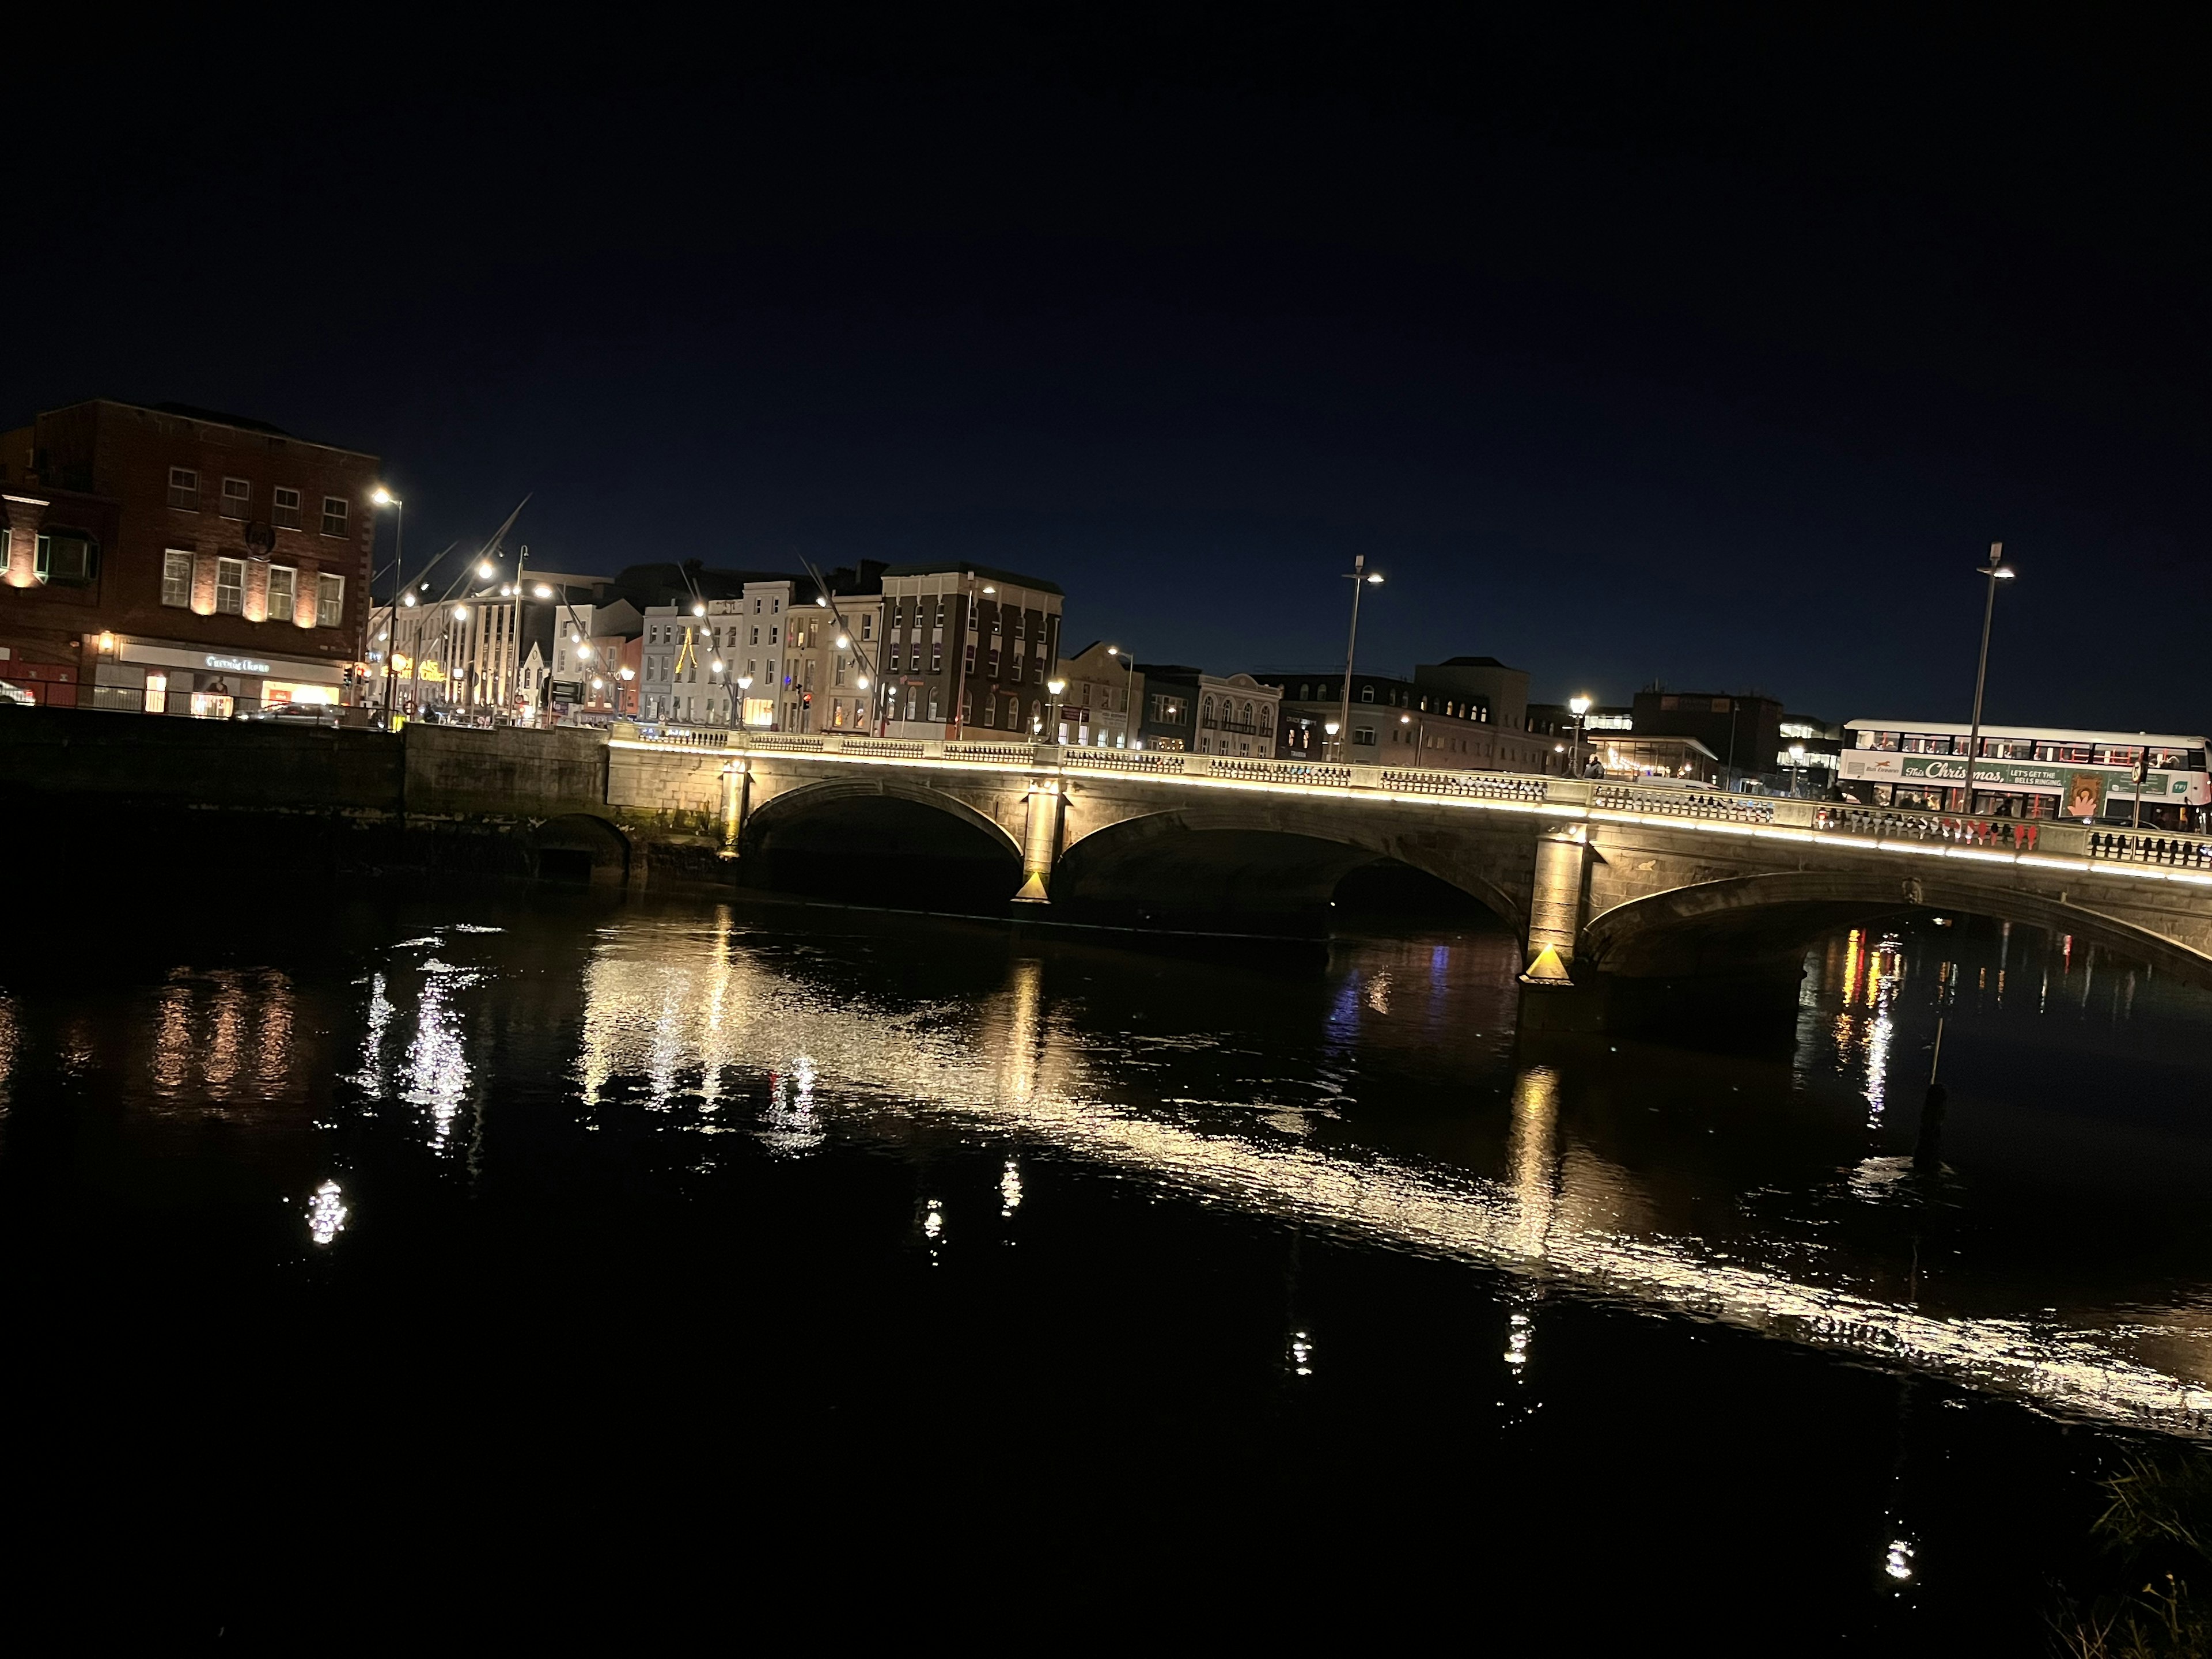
(1205, 711)
(1248, 714)
(1305, 692)
(1267, 717)
(1036, 711)
(1367, 694)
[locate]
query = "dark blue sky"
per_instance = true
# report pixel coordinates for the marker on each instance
(1713, 357)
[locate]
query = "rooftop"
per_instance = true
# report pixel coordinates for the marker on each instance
(988, 573)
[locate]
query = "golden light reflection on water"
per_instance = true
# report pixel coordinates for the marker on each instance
(223, 1034)
(658, 1007)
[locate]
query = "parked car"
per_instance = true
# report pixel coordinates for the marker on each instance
(297, 713)
(13, 695)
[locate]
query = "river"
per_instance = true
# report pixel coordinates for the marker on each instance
(371, 1226)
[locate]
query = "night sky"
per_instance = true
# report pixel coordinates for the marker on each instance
(1712, 355)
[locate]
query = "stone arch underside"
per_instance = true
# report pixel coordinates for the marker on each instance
(1750, 924)
(880, 840)
(579, 847)
(1268, 871)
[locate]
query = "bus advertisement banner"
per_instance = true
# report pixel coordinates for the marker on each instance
(2026, 777)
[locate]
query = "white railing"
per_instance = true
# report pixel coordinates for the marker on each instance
(2115, 844)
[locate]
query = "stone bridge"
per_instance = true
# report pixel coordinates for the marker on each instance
(1628, 882)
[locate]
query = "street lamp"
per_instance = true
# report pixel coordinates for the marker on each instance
(1129, 686)
(1579, 706)
(487, 570)
(1796, 760)
(1996, 571)
(383, 497)
(1361, 578)
(541, 592)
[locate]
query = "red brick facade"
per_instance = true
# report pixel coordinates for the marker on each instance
(170, 536)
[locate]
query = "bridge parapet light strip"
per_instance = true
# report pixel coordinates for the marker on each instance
(1506, 792)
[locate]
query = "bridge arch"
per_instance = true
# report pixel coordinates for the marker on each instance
(1754, 924)
(880, 838)
(1271, 869)
(578, 846)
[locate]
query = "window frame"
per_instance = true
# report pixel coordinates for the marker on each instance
(238, 608)
(278, 511)
(343, 515)
(245, 513)
(330, 611)
(169, 556)
(291, 593)
(191, 491)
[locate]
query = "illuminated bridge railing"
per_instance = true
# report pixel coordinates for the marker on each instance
(686, 737)
(1274, 771)
(1136, 762)
(1480, 786)
(1682, 804)
(2150, 847)
(1890, 825)
(1021, 754)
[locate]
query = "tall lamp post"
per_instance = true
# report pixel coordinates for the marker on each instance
(1996, 571)
(1055, 687)
(383, 497)
(1579, 706)
(1796, 760)
(1361, 578)
(1128, 690)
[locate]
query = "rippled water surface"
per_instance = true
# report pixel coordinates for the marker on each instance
(467, 1254)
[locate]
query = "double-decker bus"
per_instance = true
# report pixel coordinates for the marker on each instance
(2026, 772)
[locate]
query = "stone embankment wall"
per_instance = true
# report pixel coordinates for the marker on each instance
(435, 797)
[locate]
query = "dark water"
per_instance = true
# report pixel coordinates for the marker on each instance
(449, 1261)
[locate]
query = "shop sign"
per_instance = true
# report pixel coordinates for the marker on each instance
(236, 665)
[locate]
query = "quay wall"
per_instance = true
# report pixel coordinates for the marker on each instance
(501, 800)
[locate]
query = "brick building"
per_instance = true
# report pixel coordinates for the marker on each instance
(181, 562)
(967, 651)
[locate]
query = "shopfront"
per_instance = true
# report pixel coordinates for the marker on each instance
(170, 679)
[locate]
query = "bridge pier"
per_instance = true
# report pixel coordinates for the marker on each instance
(1555, 906)
(736, 788)
(1040, 841)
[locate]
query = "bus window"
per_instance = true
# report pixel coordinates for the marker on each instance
(2116, 754)
(1917, 744)
(2071, 754)
(2008, 748)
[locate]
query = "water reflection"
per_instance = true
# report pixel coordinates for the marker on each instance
(326, 1213)
(668, 1006)
(222, 1034)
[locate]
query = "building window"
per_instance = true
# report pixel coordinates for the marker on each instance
(283, 590)
(1367, 695)
(284, 508)
(936, 656)
(237, 499)
(330, 600)
(334, 515)
(176, 578)
(66, 557)
(229, 586)
(185, 488)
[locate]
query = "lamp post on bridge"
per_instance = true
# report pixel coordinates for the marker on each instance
(1996, 571)
(1579, 706)
(1361, 577)
(1128, 690)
